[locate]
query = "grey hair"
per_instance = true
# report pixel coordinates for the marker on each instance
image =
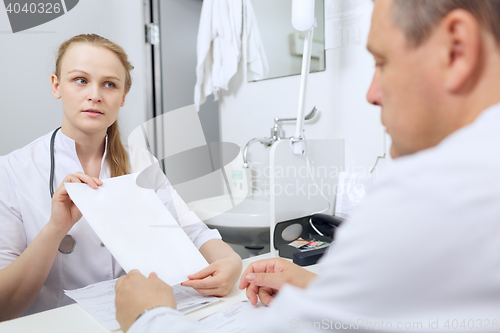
(418, 18)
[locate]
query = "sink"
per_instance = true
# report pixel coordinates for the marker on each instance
(246, 224)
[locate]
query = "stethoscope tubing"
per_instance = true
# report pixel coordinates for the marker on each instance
(68, 241)
(52, 162)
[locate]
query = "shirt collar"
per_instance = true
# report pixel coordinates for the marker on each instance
(66, 144)
(489, 113)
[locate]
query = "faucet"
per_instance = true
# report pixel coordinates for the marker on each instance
(277, 134)
(268, 142)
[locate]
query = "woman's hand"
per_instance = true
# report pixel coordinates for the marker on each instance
(218, 278)
(19, 290)
(64, 212)
(264, 278)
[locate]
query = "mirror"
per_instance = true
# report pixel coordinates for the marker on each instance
(283, 44)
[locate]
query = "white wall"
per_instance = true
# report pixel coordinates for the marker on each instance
(248, 110)
(27, 59)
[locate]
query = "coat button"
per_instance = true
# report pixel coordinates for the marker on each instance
(102, 245)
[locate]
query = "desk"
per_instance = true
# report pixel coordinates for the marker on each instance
(73, 318)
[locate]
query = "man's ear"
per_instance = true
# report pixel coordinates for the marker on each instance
(462, 32)
(55, 86)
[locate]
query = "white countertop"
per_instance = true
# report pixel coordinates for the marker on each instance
(73, 318)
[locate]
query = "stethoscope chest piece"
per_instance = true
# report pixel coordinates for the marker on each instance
(68, 244)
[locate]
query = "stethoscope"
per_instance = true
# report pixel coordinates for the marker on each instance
(68, 244)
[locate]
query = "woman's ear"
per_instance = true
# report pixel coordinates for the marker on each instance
(123, 99)
(55, 86)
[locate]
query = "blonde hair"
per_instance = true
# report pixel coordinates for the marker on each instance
(417, 18)
(116, 156)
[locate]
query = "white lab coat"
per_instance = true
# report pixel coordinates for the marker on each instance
(25, 207)
(423, 249)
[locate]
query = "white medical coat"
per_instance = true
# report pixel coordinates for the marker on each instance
(422, 252)
(25, 207)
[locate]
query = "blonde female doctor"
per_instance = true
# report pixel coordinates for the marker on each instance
(45, 244)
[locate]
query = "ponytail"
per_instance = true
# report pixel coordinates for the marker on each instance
(116, 155)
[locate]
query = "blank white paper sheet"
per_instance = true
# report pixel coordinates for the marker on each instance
(138, 229)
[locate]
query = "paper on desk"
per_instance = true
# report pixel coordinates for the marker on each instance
(138, 229)
(99, 300)
(240, 318)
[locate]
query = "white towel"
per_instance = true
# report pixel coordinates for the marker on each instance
(226, 26)
(253, 50)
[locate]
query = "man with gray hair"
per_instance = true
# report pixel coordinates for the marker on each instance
(423, 251)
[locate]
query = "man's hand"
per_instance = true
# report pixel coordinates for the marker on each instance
(218, 278)
(264, 278)
(135, 293)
